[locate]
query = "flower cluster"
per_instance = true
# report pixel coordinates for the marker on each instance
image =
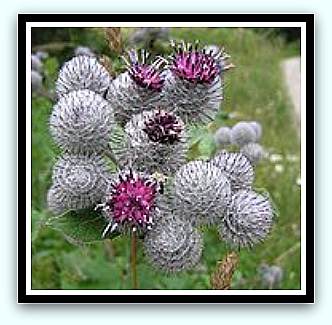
(245, 135)
(140, 119)
(80, 124)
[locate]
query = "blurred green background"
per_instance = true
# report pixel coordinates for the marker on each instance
(254, 90)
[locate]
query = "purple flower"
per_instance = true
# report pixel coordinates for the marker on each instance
(137, 89)
(152, 141)
(131, 202)
(163, 127)
(193, 85)
(145, 75)
(193, 64)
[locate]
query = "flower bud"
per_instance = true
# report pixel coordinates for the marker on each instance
(248, 219)
(201, 193)
(82, 72)
(237, 168)
(79, 182)
(82, 121)
(173, 245)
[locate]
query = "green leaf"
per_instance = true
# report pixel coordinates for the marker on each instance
(36, 223)
(195, 134)
(51, 67)
(90, 269)
(207, 146)
(51, 70)
(80, 227)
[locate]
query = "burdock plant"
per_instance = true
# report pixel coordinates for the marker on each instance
(124, 159)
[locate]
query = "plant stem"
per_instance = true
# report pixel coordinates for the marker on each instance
(133, 254)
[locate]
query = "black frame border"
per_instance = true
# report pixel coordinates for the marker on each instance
(23, 297)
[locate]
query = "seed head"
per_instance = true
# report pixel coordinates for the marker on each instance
(82, 121)
(82, 72)
(248, 219)
(237, 168)
(201, 193)
(173, 245)
(79, 181)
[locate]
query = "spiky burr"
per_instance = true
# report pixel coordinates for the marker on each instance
(242, 133)
(223, 136)
(82, 121)
(248, 219)
(173, 245)
(237, 168)
(201, 193)
(132, 202)
(153, 141)
(82, 72)
(254, 152)
(54, 203)
(257, 128)
(193, 86)
(137, 89)
(36, 63)
(84, 50)
(270, 275)
(36, 80)
(79, 181)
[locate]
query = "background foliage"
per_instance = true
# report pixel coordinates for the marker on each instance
(253, 91)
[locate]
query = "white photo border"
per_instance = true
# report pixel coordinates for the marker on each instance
(195, 23)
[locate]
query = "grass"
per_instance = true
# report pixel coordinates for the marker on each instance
(254, 91)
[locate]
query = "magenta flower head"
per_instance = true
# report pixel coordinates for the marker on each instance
(194, 65)
(194, 85)
(163, 127)
(137, 89)
(152, 141)
(131, 202)
(144, 74)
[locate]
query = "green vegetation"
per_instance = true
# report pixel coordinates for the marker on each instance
(253, 91)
